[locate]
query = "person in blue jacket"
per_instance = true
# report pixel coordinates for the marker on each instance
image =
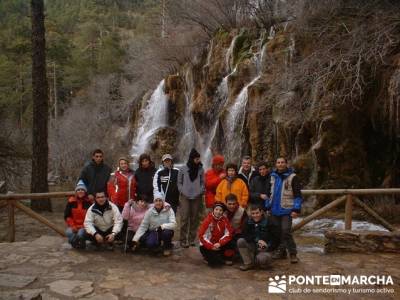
(285, 204)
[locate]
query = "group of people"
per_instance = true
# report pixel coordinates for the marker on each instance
(249, 211)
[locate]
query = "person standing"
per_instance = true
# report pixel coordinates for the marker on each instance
(260, 186)
(212, 179)
(74, 216)
(144, 177)
(247, 172)
(191, 188)
(232, 184)
(122, 184)
(285, 204)
(95, 174)
(166, 182)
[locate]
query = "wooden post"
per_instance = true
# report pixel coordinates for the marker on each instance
(318, 212)
(369, 210)
(11, 221)
(348, 213)
(38, 217)
(3, 204)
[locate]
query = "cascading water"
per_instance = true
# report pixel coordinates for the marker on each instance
(189, 133)
(233, 129)
(152, 117)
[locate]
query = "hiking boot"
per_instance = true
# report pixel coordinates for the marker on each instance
(293, 259)
(167, 252)
(279, 254)
(246, 267)
(228, 262)
(184, 244)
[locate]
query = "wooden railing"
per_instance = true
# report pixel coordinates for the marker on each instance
(346, 195)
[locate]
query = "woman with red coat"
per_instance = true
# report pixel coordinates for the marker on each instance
(214, 234)
(212, 179)
(74, 216)
(122, 184)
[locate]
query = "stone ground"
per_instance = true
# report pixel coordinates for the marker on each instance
(43, 264)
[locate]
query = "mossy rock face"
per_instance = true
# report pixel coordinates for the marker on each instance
(241, 48)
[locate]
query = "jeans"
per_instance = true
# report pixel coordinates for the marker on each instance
(76, 239)
(153, 238)
(251, 254)
(190, 211)
(285, 224)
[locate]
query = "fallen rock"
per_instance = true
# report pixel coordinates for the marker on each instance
(362, 241)
(14, 280)
(72, 288)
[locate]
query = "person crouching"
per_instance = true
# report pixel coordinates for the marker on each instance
(74, 215)
(259, 238)
(215, 233)
(157, 227)
(103, 221)
(133, 213)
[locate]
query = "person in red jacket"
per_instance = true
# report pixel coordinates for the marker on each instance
(212, 178)
(214, 234)
(122, 184)
(74, 215)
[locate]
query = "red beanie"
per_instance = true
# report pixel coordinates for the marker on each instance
(218, 160)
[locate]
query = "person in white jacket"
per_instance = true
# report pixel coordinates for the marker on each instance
(103, 221)
(157, 226)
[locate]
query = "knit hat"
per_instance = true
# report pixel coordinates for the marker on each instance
(159, 195)
(218, 160)
(81, 186)
(193, 154)
(166, 156)
(219, 204)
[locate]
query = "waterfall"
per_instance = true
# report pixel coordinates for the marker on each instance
(228, 57)
(152, 117)
(189, 133)
(233, 129)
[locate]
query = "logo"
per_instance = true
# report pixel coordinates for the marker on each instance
(277, 285)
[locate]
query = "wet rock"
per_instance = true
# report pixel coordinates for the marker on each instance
(21, 294)
(106, 296)
(13, 259)
(14, 280)
(72, 288)
(362, 241)
(46, 262)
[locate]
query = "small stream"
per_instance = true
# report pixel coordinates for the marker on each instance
(310, 238)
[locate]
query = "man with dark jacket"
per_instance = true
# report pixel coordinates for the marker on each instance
(166, 182)
(260, 185)
(259, 238)
(95, 174)
(285, 204)
(247, 171)
(144, 177)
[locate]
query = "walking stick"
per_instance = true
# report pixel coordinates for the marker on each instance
(127, 229)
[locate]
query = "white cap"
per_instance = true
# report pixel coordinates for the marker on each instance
(166, 156)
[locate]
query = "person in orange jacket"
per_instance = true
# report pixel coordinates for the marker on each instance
(122, 184)
(232, 184)
(212, 179)
(74, 215)
(215, 233)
